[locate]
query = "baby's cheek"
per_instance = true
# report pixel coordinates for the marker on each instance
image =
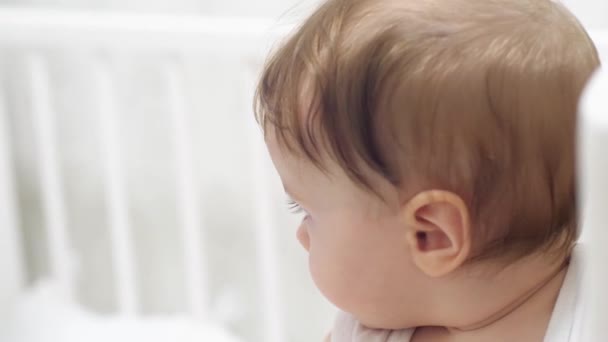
(303, 237)
(335, 280)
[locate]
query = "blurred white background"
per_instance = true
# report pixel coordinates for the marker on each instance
(217, 85)
(592, 12)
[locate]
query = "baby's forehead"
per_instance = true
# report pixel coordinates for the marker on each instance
(292, 163)
(301, 175)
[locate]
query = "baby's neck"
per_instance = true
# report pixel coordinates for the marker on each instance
(522, 318)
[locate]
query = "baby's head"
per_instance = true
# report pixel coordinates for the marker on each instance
(430, 146)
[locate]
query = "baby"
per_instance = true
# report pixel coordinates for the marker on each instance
(430, 147)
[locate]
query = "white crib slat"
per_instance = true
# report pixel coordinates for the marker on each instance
(188, 205)
(265, 229)
(594, 179)
(115, 192)
(10, 241)
(50, 179)
(266, 242)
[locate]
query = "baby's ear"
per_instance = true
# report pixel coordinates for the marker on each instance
(438, 231)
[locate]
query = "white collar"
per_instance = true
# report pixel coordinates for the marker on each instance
(565, 323)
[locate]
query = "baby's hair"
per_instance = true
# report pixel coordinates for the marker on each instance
(477, 97)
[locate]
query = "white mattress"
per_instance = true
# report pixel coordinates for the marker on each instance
(43, 315)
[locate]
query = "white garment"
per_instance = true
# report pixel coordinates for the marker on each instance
(567, 318)
(348, 329)
(564, 326)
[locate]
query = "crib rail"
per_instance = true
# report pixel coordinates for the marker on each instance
(116, 197)
(112, 30)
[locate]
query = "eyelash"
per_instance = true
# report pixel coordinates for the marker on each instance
(294, 207)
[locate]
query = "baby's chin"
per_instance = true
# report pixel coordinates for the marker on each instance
(373, 319)
(356, 301)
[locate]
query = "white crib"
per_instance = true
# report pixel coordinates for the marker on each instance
(192, 72)
(88, 197)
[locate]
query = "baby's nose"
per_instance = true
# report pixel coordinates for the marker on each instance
(303, 237)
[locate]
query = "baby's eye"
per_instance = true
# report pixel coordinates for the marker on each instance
(294, 207)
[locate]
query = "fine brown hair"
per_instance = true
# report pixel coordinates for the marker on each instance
(478, 97)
